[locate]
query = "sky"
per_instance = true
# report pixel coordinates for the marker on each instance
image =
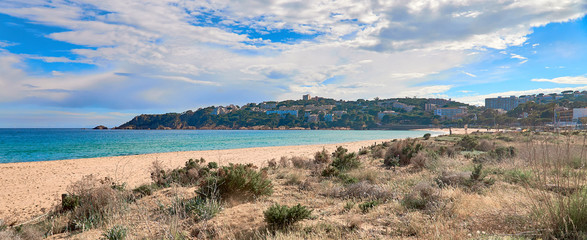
(82, 63)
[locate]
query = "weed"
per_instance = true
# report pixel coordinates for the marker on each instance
(367, 206)
(115, 233)
(427, 136)
(349, 205)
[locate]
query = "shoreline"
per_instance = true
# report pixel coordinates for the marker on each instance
(34, 188)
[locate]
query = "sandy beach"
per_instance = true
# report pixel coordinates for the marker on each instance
(31, 189)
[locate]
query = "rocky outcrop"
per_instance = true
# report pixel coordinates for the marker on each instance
(101, 127)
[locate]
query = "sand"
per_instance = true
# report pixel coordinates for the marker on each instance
(31, 189)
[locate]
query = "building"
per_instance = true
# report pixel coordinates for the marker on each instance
(329, 117)
(311, 107)
(579, 113)
(451, 113)
(313, 118)
(268, 105)
(306, 97)
(283, 113)
(380, 115)
(563, 115)
(505, 103)
(403, 106)
(429, 107)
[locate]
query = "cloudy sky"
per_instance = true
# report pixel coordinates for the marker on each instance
(80, 63)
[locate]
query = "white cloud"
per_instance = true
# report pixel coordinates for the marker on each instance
(370, 48)
(469, 74)
(565, 80)
(516, 56)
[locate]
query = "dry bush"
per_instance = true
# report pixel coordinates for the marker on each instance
(98, 201)
(272, 163)
(403, 150)
(485, 146)
(300, 162)
(420, 161)
(284, 162)
(322, 157)
(189, 175)
(559, 193)
(368, 174)
(361, 190)
(236, 181)
(423, 196)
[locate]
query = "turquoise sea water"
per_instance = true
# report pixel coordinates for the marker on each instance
(26, 145)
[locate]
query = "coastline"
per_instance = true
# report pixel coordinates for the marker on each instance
(33, 188)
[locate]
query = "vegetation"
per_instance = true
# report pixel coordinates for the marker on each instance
(525, 185)
(280, 216)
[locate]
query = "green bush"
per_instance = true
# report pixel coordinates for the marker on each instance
(344, 161)
(427, 136)
(236, 180)
(501, 153)
(367, 206)
(212, 165)
(468, 143)
(115, 233)
(281, 216)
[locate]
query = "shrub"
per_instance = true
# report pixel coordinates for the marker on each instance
(404, 150)
(322, 157)
(236, 180)
(272, 164)
(423, 196)
(281, 216)
(566, 217)
(485, 146)
(284, 162)
(468, 143)
(212, 165)
(344, 161)
(420, 161)
(115, 233)
(367, 206)
(363, 151)
(96, 202)
(189, 175)
(198, 208)
(300, 162)
(518, 176)
(501, 153)
(143, 190)
(427, 136)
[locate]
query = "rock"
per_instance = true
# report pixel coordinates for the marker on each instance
(101, 127)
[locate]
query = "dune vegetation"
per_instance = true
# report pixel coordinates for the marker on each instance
(512, 185)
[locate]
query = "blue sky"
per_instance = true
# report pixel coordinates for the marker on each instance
(80, 63)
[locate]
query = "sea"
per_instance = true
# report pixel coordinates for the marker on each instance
(45, 144)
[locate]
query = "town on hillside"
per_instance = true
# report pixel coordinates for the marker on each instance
(565, 109)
